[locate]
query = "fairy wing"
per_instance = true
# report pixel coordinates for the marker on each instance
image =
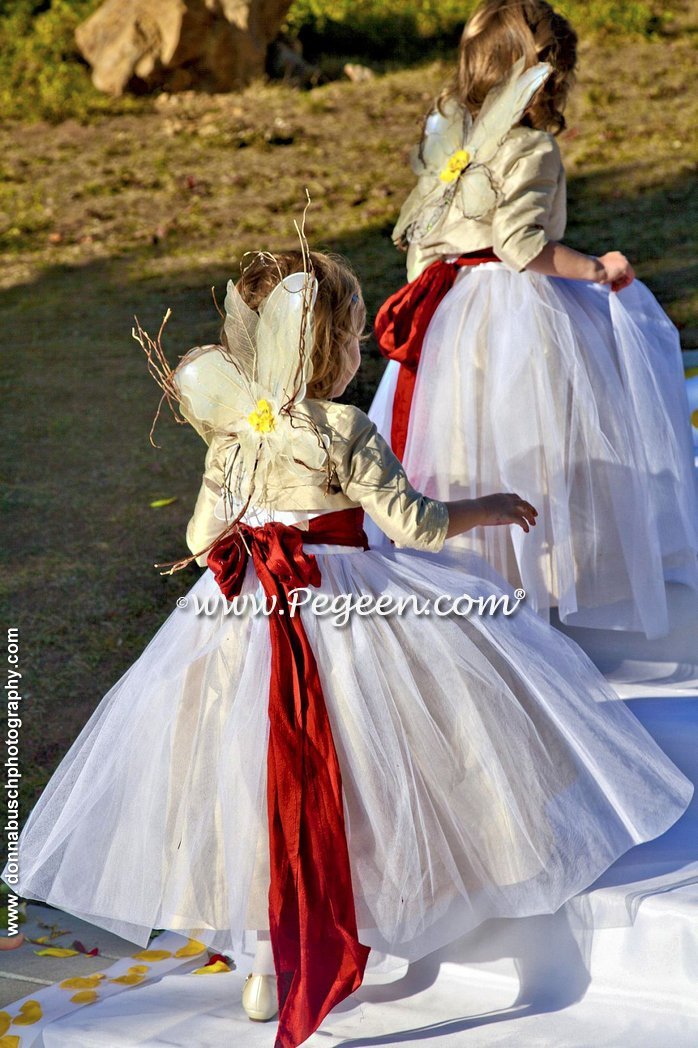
(502, 109)
(285, 338)
(451, 130)
(213, 392)
(444, 132)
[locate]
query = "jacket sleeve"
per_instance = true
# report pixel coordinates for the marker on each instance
(370, 475)
(204, 526)
(530, 180)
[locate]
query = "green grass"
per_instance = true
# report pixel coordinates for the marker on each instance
(133, 212)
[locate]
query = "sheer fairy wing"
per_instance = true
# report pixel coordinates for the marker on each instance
(444, 132)
(430, 199)
(240, 328)
(285, 338)
(213, 392)
(452, 136)
(503, 108)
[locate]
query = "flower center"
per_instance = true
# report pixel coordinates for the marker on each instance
(455, 166)
(262, 420)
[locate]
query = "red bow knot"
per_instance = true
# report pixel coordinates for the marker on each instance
(277, 554)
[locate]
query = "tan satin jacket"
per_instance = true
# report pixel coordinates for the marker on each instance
(532, 210)
(365, 473)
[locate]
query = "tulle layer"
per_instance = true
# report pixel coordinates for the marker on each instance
(488, 769)
(575, 398)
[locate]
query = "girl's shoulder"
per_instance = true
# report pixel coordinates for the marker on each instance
(528, 142)
(341, 422)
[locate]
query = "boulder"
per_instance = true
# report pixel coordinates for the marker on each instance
(210, 45)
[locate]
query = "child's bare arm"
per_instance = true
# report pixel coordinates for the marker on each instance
(558, 260)
(502, 508)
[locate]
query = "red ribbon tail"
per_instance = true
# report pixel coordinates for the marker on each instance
(318, 957)
(401, 326)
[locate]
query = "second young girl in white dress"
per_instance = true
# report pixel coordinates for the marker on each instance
(541, 369)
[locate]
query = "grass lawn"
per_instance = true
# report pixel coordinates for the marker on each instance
(136, 212)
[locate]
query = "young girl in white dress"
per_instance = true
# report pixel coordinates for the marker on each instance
(384, 784)
(520, 363)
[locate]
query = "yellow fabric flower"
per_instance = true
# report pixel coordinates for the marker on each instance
(262, 420)
(456, 165)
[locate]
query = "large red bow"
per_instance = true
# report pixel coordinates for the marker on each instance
(318, 958)
(402, 323)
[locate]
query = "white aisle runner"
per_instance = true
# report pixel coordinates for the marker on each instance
(616, 967)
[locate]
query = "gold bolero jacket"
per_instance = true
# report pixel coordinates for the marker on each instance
(365, 473)
(531, 210)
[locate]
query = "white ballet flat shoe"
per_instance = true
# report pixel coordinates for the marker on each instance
(259, 997)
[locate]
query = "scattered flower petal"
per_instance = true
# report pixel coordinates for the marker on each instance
(216, 963)
(82, 982)
(191, 949)
(29, 1013)
(94, 952)
(85, 997)
(159, 503)
(56, 951)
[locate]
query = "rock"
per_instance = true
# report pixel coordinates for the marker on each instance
(211, 45)
(358, 74)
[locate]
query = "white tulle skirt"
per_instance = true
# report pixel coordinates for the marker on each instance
(488, 769)
(574, 397)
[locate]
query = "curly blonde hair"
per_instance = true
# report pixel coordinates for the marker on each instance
(339, 315)
(499, 33)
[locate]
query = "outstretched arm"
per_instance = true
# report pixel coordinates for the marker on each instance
(558, 260)
(502, 508)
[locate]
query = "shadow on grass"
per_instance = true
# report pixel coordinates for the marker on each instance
(79, 473)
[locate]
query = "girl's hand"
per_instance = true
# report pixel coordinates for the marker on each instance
(507, 509)
(617, 271)
(489, 510)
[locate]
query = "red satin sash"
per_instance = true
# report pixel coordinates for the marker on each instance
(402, 323)
(317, 955)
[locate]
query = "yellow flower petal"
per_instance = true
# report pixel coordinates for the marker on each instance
(82, 982)
(29, 1013)
(191, 949)
(56, 951)
(212, 969)
(140, 969)
(9, 1041)
(694, 418)
(159, 503)
(5, 1021)
(85, 997)
(152, 955)
(131, 979)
